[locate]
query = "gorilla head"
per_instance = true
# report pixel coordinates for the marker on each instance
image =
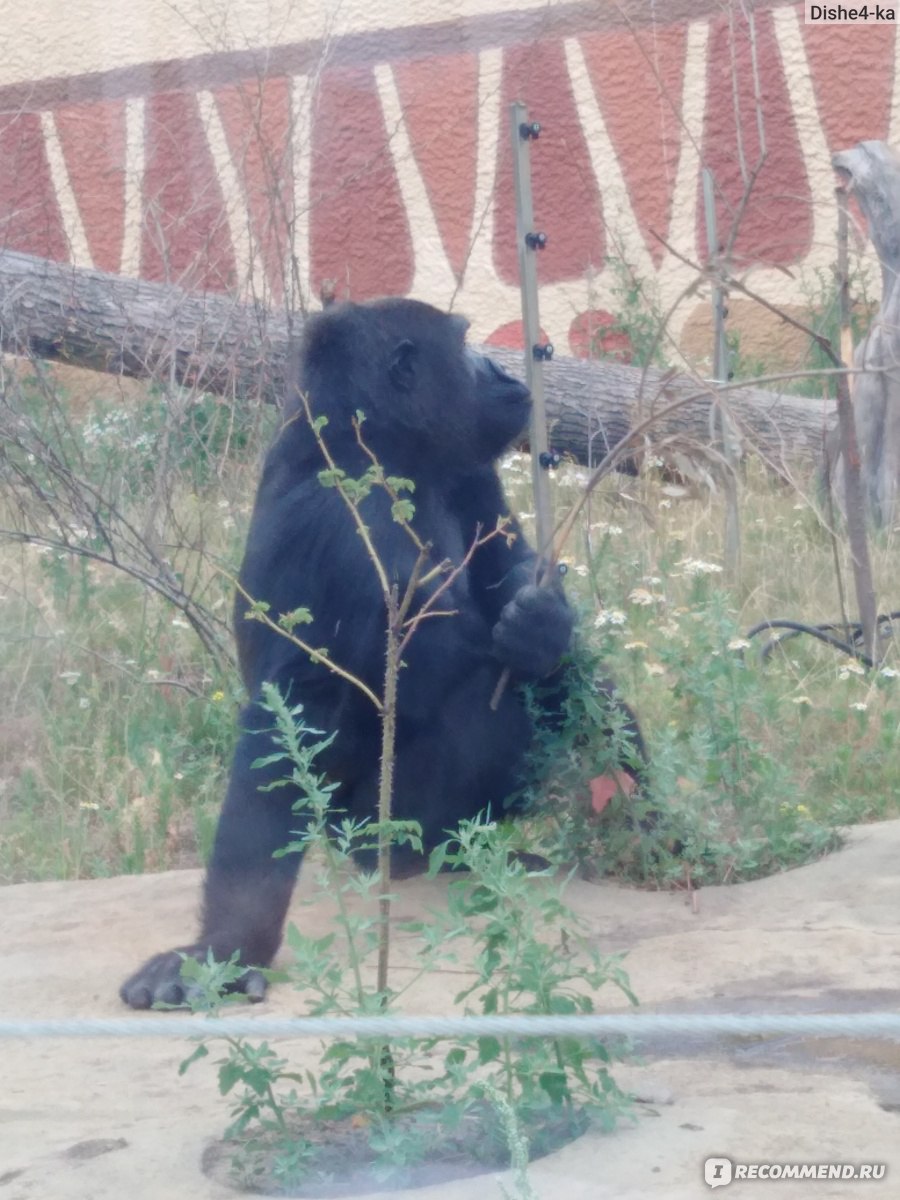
(406, 367)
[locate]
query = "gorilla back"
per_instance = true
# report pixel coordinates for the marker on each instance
(438, 414)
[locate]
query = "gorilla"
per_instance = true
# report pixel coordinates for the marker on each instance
(440, 415)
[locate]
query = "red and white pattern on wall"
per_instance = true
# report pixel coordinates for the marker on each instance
(395, 176)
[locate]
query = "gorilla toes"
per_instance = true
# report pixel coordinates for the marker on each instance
(534, 631)
(159, 981)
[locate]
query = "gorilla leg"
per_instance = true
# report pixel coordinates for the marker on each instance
(247, 890)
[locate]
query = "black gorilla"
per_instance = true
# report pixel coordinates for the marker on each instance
(440, 415)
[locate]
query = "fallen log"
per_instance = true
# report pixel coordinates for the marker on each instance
(216, 343)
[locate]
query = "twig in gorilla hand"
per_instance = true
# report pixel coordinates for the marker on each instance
(438, 415)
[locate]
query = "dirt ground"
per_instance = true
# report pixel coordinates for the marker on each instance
(104, 1119)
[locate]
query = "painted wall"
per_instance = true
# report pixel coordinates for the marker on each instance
(369, 145)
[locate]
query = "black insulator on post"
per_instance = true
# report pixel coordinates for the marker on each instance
(535, 241)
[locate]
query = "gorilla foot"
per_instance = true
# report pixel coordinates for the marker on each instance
(159, 981)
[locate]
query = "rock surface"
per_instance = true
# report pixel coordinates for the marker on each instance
(99, 1119)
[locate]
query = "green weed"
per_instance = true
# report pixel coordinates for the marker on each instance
(488, 1098)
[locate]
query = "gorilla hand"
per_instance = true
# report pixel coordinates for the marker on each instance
(534, 630)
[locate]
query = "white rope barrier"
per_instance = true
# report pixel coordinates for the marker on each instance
(646, 1025)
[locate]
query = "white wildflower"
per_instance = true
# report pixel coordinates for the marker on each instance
(697, 566)
(888, 672)
(641, 596)
(802, 700)
(859, 705)
(179, 624)
(738, 643)
(71, 677)
(635, 646)
(655, 668)
(851, 668)
(609, 616)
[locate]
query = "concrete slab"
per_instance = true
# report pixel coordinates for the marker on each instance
(99, 1120)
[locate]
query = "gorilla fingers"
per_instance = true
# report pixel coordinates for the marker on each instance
(534, 630)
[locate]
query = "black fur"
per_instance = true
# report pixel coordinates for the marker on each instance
(440, 415)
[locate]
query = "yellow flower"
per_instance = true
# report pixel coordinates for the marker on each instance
(801, 808)
(217, 697)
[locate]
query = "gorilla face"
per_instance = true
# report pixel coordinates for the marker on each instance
(503, 405)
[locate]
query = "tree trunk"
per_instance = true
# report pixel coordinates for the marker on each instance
(872, 174)
(212, 341)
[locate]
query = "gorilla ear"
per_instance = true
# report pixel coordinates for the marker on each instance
(402, 370)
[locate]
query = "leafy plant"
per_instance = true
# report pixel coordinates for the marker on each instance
(592, 741)
(401, 1103)
(638, 319)
(824, 316)
(193, 433)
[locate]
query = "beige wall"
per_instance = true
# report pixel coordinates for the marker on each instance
(214, 145)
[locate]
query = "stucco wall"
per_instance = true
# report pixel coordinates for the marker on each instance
(215, 145)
